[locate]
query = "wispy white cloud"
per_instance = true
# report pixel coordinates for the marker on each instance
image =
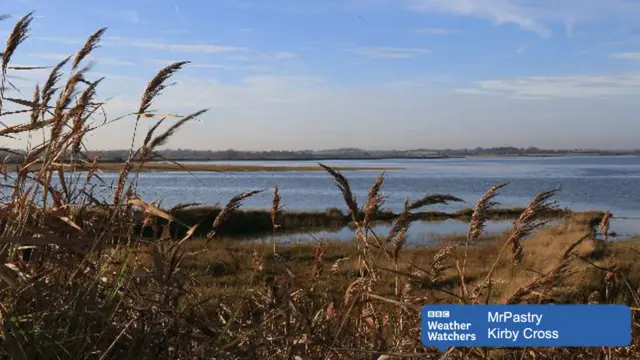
(214, 66)
(550, 87)
(266, 56)
(103, 60)
(522, 48)
(536, 16)
(256, 91)
(618, 43)
(160, 45)
(500, 11)
(627, 55)
(130, 16)
(298, 112)
(116, 77)
(539, 16)
(60, 39)
(50, 56)
(174, 31)
(387, 52)
(150, 44)
(273, 106)
(434, 31)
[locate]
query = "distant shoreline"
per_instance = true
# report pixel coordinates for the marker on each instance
(337, 158)
(214, 165)
(191, 156)
(186, 167)
(203, 166)
(330, 158)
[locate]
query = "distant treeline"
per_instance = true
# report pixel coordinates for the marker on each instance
(13, 156)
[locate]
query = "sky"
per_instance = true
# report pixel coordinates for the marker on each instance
(375, 74)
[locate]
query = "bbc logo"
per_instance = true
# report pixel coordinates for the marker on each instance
(438, 313)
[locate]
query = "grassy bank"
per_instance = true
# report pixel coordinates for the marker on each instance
(259, 222)
(227, 269)
(319, 289)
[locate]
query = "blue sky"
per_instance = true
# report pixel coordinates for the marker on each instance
(314, 74)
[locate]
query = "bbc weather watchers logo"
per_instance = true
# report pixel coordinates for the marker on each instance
(444, 326)
(438, 314)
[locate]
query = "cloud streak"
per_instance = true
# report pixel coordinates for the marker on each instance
(434, 31)
(499, 11)
(555, 87)
(522, 48)
(162, 46)
(129, 16)
(306, 112)
(387, 52)
(277, 56)
(627, 56)
(150, 44)
(214, 66)
(536, 16)
(102, 60)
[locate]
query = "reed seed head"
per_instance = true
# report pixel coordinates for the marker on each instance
(479, 216)
(374, 201)
(18, 35)
(231, 206)
(432, 200)
(275, 209)
(401, 222)
(92, 43)
(345, 189)
(529, 220)
(318, 261)
(157, 84)
(604, 225)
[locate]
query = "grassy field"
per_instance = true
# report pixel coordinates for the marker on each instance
(76, 283)
(227, 269)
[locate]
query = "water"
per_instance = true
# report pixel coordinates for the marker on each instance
(420, 233)
(586, 183)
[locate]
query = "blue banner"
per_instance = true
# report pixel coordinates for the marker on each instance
(444, 326)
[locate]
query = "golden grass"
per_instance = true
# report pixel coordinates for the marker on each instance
(231, 260)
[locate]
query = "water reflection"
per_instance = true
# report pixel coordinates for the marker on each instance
(420, 232)
(429, 233)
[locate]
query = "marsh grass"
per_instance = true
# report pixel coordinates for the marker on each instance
(258, 222)
(79, 278)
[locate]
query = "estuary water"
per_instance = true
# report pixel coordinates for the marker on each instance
(585, 183)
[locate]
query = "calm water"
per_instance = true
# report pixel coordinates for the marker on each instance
(585, 183)
(419, 232)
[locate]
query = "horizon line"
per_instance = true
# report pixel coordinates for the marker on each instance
(387, 150)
